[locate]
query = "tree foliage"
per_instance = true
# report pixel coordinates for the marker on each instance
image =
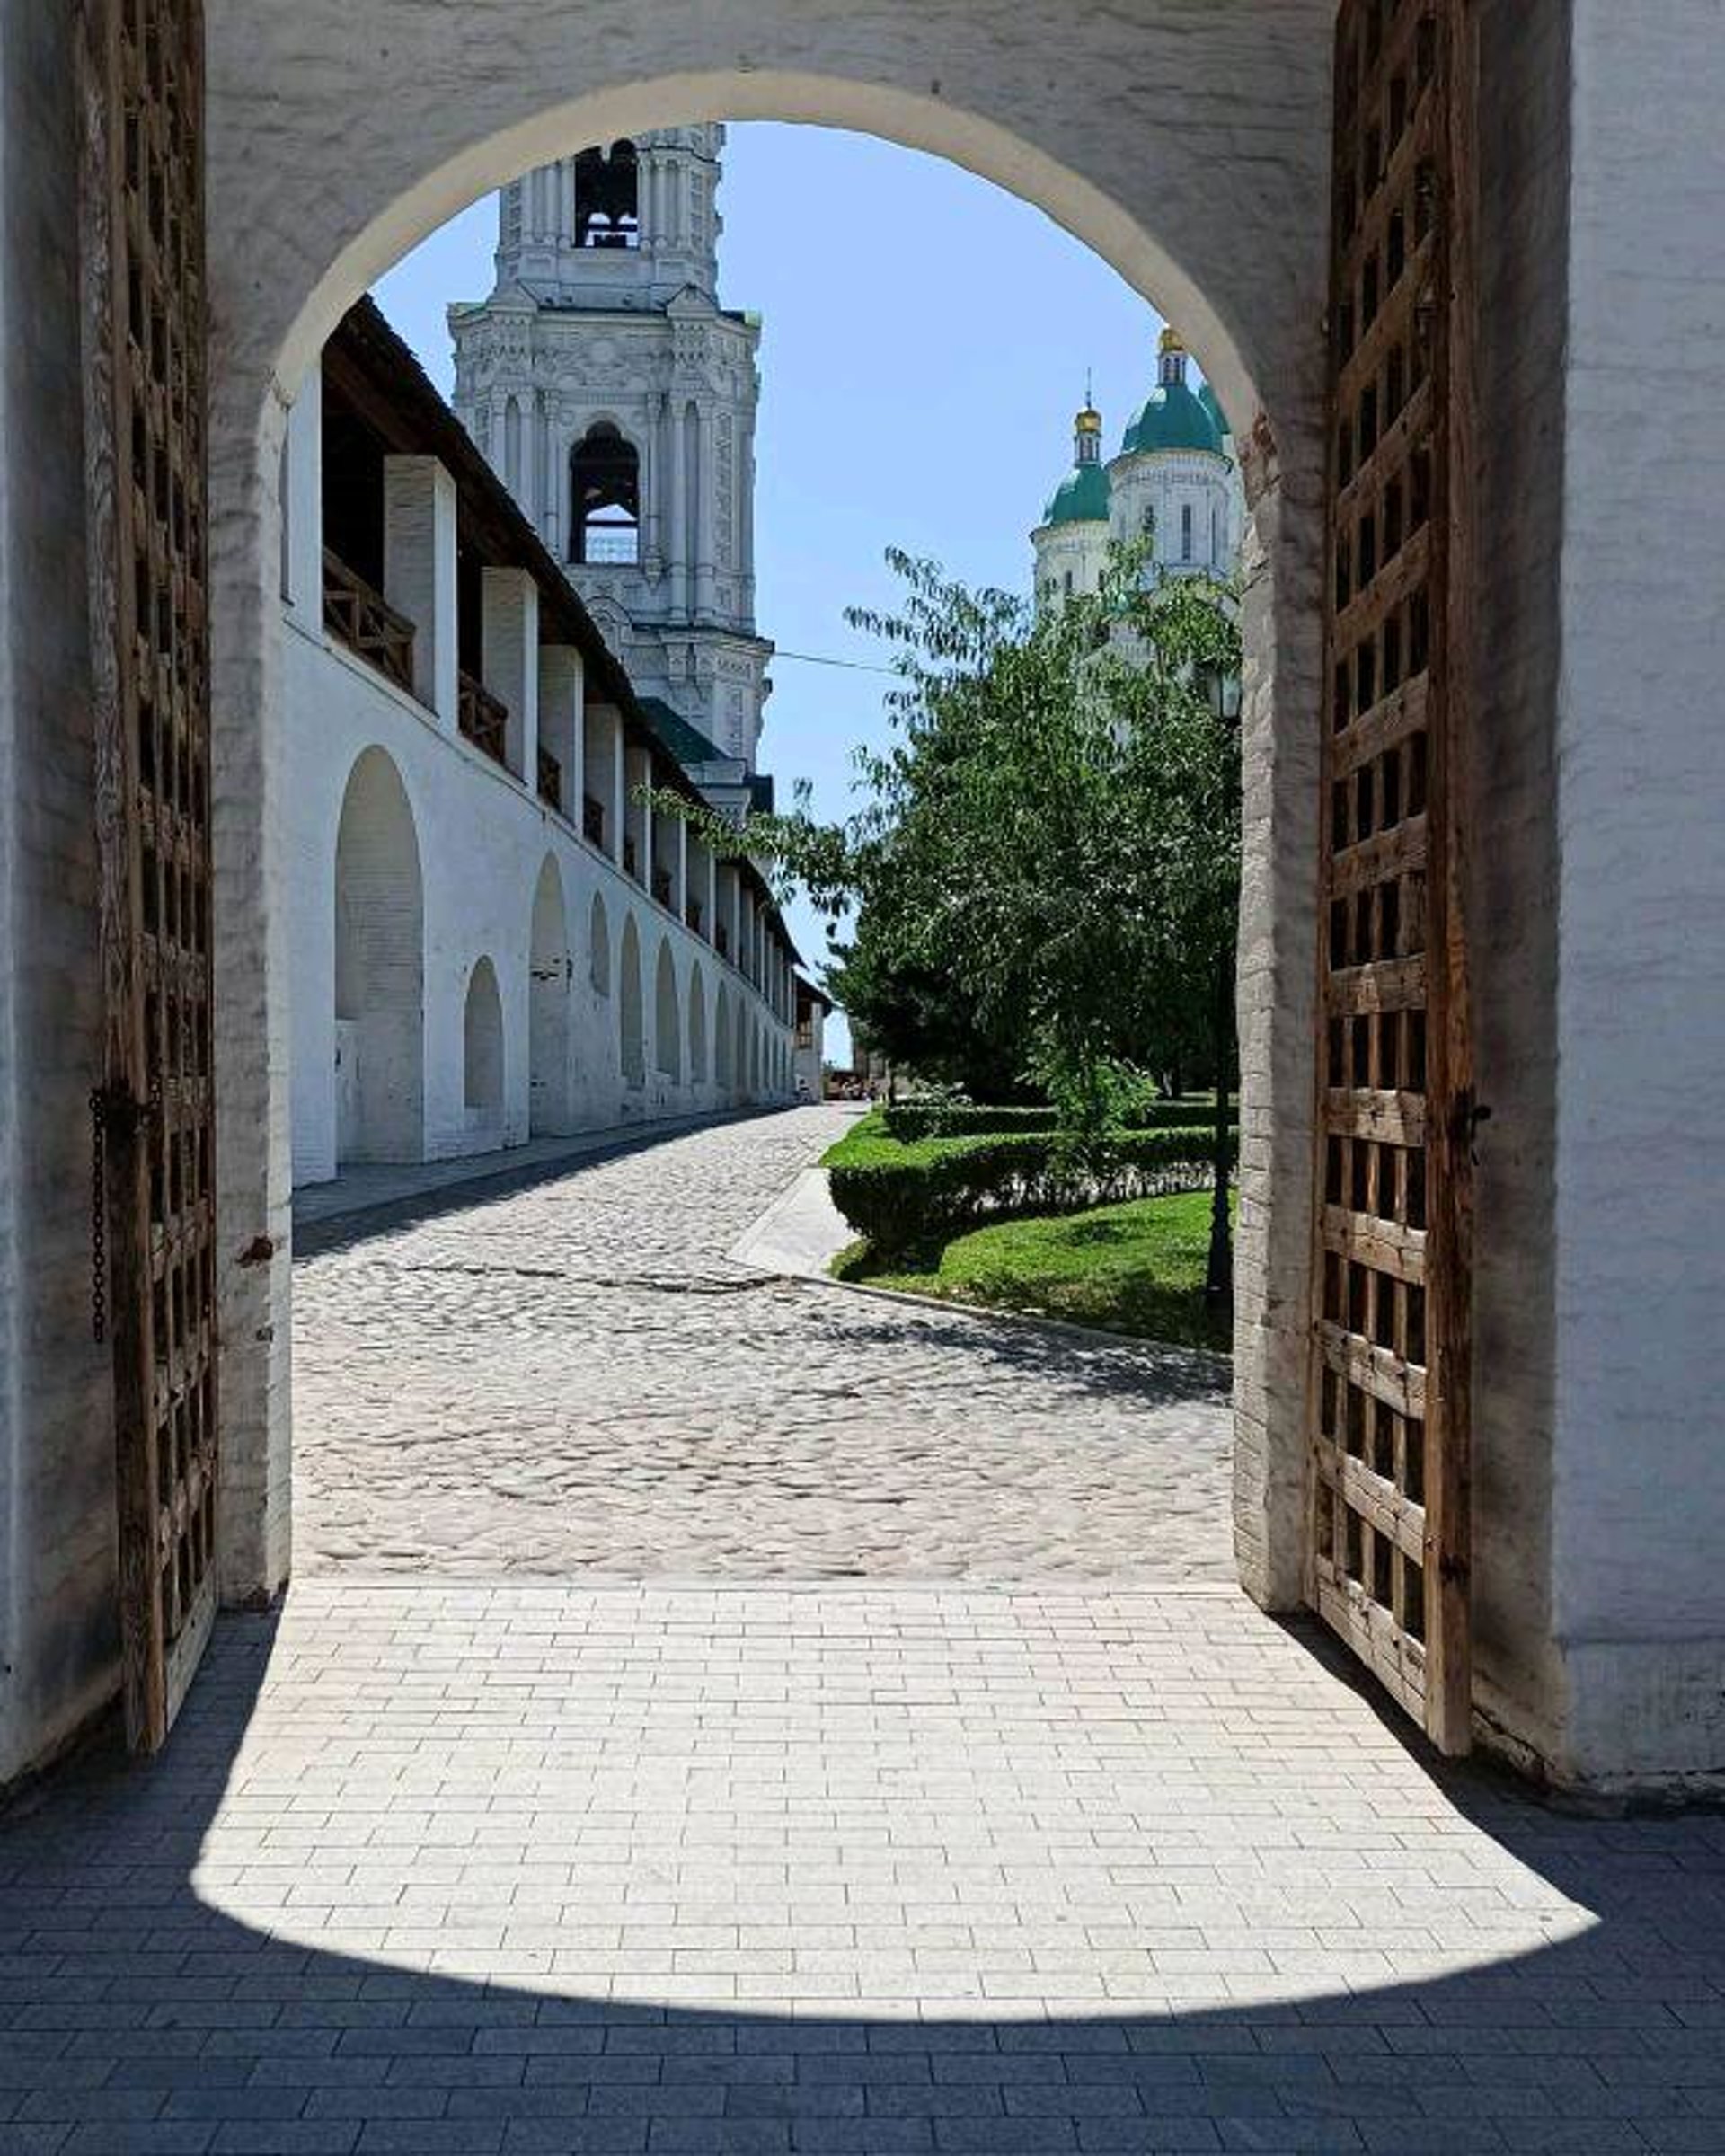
(1044, 868)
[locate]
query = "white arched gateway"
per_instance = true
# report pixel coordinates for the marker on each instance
(1194, 148)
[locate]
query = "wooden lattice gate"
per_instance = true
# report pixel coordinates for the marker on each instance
(1389, 1409)
(142, 240)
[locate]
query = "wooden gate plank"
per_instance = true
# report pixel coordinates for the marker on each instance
(142, 270)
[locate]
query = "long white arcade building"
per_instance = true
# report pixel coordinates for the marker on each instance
(494, 938)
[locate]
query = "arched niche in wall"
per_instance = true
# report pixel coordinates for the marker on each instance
(379, 970)
(482, 1048)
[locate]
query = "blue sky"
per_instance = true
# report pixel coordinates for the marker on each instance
(926, 342)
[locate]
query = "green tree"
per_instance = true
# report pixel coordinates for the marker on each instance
(1044, 870)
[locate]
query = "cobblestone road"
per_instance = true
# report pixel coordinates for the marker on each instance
(573, 1379)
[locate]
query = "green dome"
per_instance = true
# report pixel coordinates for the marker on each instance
(1081, 498)
(1172, 418)
(1207, 398)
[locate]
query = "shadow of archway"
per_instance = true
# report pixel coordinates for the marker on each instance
(463, 1869)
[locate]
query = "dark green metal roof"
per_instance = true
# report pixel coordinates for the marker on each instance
(686, 743)
(1172, 418)
(1081, 498)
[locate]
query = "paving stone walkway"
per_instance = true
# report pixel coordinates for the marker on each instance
(1092, 1861)
(573, 1378)
(552, 1868)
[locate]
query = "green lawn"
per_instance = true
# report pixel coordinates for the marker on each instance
(1136, 1268)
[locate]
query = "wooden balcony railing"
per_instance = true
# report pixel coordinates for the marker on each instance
(691, 914)
(483, 718)
(551, 780)
(662, 886)
(592, 820)
(366, 622)
(629, 867)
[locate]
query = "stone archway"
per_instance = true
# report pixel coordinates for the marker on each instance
(1241, 268)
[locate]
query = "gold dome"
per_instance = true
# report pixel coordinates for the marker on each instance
(1089, 420)
(1169, 341)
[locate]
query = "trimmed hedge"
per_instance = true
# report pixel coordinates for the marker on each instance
(935, 1191)
(909, 1120)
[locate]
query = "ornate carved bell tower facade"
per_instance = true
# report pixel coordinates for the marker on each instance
(617, 398)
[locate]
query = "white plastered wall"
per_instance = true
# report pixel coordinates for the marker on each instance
(483, 839)
(1638, 1512)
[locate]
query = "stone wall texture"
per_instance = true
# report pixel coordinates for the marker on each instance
(58, 1638)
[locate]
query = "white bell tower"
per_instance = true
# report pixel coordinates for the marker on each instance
(617, 398)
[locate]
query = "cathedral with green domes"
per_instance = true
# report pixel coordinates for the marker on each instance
(1174, 485)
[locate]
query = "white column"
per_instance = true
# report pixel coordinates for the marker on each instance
(419, 571)
(681, 564)
(653, 436)
(562, 680)
(705, 460)
(746, 510)
(637, 820)
(528, 493)
(302, 504)
(510, 661)
(551, 493)
(710, 897)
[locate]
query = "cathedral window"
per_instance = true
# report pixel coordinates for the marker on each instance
(604, 497)
(607, 197)
(1186, 531)
(1148, 522)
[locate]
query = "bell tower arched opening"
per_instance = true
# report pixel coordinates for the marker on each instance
(605, 497)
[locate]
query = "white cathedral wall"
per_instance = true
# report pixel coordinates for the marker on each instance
(1167, 482)
(1076, 551)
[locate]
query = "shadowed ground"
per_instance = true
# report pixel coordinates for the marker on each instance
(872, 1870)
